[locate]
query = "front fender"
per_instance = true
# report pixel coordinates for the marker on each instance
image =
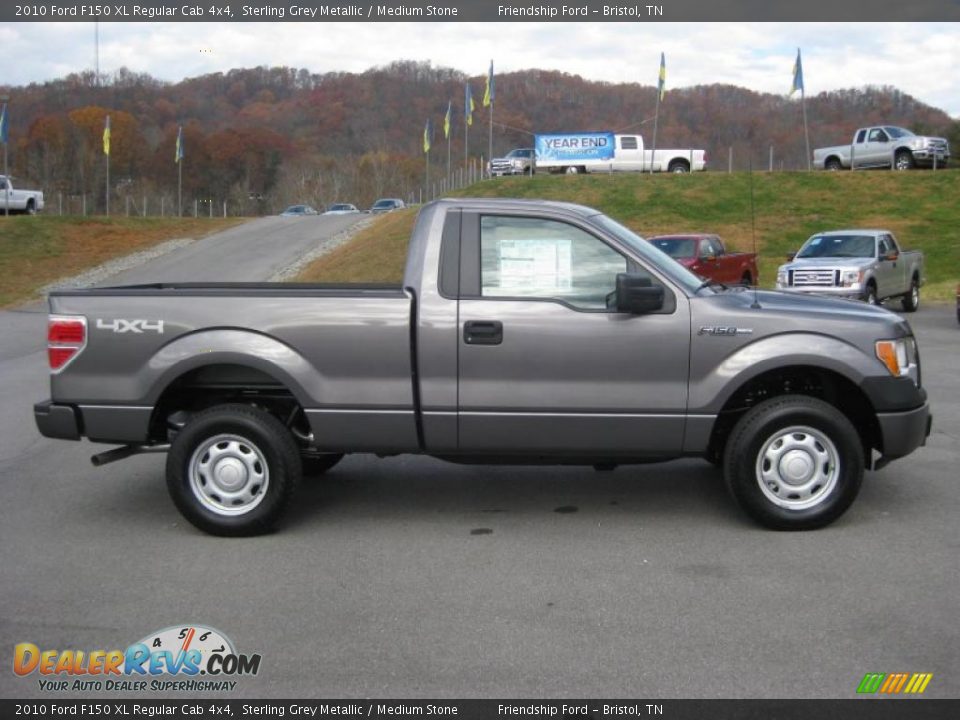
(710, 391)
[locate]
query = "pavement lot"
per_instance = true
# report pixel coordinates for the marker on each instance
(410, 577)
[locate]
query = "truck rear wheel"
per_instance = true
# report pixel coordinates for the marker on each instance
(911, 301)
(833, 164)
(794, 463)
(31, 207)
(232, 470)
(679, 166)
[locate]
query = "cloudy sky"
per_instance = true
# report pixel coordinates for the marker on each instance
(919, 58)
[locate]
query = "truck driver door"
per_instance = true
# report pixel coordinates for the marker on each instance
(544, 364)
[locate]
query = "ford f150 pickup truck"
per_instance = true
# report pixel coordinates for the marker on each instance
(884, 146)
(706, 256)
(864, 264)
(24, 201)
(523, 332)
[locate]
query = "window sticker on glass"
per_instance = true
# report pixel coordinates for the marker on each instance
(542, 266)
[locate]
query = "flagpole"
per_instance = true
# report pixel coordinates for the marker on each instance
(806, 131)
(656, 121)
(490, 144)
(5, 136)
(466, 128)
(180, 187)
(108, 184)
(106, 147)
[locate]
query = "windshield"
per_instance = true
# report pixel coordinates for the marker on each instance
(341, 207)
(838, 246)
(518, 154)
(676, 247)
(650, 253)
(383, 203)
(898, 132)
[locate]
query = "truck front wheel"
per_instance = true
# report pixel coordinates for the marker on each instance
(794, 463)
(903, 160)
(232, 470)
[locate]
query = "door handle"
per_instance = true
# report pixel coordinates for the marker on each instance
(483, 332)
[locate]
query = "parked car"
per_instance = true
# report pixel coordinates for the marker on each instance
(864, 264)
(521, 332)
(385, 205)
(515, 162)
(341, 209)
(22, 201)
(299, 211)
(706, 256)
(884, 146)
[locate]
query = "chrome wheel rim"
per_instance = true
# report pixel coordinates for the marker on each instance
(915, 295)
(903, 163)
(798, 467)
(228, 474)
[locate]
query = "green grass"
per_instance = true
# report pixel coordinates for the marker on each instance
(36, 250)
(922, 209)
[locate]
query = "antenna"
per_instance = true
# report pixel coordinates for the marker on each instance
(753, 235)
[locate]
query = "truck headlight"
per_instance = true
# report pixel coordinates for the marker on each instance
(899, 357)
(781, 278)
(851, 278)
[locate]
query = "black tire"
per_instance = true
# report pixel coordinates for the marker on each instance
(870, 294)
(254, 446)
(911, 301)
(31, 208)
(746, 280)
(796, 421)
(833, 165)
(318, 463)
(679, 166)
(903, 160)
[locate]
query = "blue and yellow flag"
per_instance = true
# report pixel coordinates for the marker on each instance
(446, 120)
(4, 125)
(489, 91)
(662, 82)
(427, 132)
(106, 136)
(178, 153)
(797, 75)
(468, 106)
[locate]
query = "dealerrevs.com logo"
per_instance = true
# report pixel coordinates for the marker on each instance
(180, 658)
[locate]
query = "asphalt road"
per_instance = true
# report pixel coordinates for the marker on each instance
(410, 577)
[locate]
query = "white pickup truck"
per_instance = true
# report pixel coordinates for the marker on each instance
(25, 201)
(884, 146)
(610, 152)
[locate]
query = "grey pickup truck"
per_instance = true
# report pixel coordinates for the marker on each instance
(523, 332)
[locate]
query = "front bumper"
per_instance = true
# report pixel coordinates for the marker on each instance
(844, 293)
(904, 432)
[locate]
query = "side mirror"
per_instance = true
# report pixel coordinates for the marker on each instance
(892, 255)
(636, 294)
(791, 255)
(708, 257)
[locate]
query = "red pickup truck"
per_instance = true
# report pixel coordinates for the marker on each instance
(706, 256)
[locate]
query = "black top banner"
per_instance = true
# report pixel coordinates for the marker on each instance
(649, 11)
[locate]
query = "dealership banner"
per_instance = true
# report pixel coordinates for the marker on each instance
(484, 709)
(480, 11)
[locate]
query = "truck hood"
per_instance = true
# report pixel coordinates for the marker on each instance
(827, 262)
(803, 311)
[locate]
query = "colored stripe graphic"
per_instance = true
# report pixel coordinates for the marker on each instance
(894, 683)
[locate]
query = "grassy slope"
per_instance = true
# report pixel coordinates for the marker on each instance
(922, 208)
(35, 251)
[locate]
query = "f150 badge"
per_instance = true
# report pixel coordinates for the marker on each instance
(727, 330)
(121, 325)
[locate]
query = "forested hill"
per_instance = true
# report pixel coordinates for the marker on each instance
(292, 135)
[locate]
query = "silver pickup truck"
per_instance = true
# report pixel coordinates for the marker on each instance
(523, 332)
(884, 146)
(862, 264)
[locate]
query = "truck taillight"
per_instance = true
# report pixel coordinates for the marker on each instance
(66, 338)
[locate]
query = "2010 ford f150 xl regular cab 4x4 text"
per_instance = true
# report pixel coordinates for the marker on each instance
(523, 332)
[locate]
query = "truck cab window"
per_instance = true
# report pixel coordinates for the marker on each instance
(861, 135)
(534, 258)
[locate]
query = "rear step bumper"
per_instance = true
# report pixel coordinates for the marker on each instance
(57, 421)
